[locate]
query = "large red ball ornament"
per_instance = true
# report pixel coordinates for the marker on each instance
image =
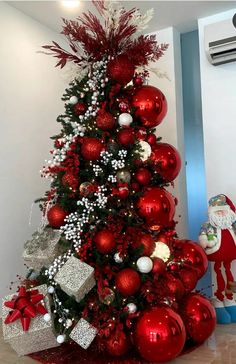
(128, 282)
(104, 241)
(193, 254)
(166, 160)
(126, 137)
(143, 176)
(156, 206)
(147, 243)
(199, 317)
(120, 69)
(160, 334)
(80, 108)
(91, 149)
(189, 278)
(150, 104)
(56, 216)
(105, 121)
(117, 344)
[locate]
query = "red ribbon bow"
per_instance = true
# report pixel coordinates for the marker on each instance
(24, 307)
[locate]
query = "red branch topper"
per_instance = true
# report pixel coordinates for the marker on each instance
(24, 307)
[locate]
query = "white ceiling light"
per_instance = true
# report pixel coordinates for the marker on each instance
(70, 4)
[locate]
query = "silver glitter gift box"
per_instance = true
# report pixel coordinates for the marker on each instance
(42, 249)
(76, 278)
(40, 335)
(83, 333)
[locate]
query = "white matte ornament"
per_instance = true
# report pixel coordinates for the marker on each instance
(51, 289)
(144, 264)
(132, 308)
(125, 119)
(61, 339)
(73, 100)
(146, 150)
(47, 317)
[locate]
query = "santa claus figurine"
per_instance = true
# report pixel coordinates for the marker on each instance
(218, 239)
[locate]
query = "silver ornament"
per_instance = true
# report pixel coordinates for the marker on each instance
(123, 176)
(73, 100)
(131, 307)
(125, 119)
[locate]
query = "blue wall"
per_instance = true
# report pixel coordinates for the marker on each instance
(193, 136)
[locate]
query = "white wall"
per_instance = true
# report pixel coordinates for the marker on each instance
(171, 128)
(30, 92)
(219, 118)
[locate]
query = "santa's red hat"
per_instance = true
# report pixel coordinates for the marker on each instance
(220, 202)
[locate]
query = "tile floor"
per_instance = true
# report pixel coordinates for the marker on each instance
(220, 349)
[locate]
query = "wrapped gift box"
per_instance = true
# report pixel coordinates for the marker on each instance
(40, 335)
(42, 249)
(76, 278)
(83, 333)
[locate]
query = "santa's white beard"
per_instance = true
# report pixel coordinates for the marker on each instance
(222, 221)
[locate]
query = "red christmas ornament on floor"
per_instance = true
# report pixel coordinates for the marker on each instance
(128, 282)
(145, 241)
(117, 344)
(91, 149)
(150, 104)
(143, 176)
(199, 317)
(166, 160)
(105, 120)
(56, 216)
(70, 180)
(80, 108)
(126, 137)
(104, 241)
(156, 206)
(120, 69)
(193, 254)
(160, 334)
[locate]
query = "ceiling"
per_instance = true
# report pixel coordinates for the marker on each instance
(181, 14)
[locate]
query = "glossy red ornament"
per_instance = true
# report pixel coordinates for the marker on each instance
(105, 120)
(123, 192)
(141, 133)
(91, 149)
(199, 317)
(56, 215)
(138, 80)
(80, 108)
(193, 254)
(128, 282)
(150, 104)
(151, 139)
(135, 186)
(143, 176)
(160, 334)
(120, 69)
(145, 241)
(189, 278)
(156, 206)
(174, 286)
(117, 344)
(104, 241)
(126, 137)
(70, 180)
(159, 266)
(166, 160)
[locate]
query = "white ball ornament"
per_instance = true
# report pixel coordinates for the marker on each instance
(125, 119)
(118, 258)
(144, 264)
(61, 339)
(73, 100)
(132, 308)
(47, 317)
(69, 323)
(51, 289)
(146, 150)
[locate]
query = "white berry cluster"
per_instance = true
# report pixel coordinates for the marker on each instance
(105, 157)
(56, 265)
(97, 170)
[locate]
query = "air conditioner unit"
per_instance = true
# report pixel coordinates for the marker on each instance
(220, 41)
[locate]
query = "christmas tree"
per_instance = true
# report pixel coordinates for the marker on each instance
(117, 275)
